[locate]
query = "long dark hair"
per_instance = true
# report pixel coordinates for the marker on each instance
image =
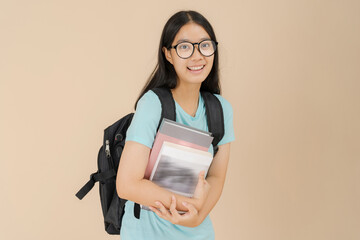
(164, 74)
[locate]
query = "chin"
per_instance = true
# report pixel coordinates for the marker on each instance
(194, 78)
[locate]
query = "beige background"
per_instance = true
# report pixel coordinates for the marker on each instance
(291, 70)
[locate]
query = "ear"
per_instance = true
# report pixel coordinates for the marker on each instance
(167, 54)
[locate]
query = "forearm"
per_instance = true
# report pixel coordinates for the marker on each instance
(216, 184)
(130, 182)
(216, 179)
(146, 193)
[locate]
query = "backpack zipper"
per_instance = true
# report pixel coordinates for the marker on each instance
(107, 148)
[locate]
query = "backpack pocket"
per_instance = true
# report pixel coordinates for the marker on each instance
(113, 217)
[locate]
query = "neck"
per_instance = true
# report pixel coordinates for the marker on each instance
(187, 96)
(186, 93)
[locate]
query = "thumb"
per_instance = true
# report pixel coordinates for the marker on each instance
(200, 184)
(201, 177)
(202, 174)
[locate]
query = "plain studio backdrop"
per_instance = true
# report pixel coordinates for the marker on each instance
(291, 70)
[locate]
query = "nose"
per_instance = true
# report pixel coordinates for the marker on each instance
(196, 54)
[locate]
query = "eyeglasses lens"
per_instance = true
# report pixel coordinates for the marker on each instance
(185, 49)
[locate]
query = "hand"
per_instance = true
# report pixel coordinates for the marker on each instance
(188, 219)
(201, 191)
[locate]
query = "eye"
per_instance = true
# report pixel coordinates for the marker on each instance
(183, 46)
(205, 45)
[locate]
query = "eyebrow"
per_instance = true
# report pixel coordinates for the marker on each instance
(187, 40)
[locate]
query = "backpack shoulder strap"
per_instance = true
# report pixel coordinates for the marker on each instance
(167, 104)
(215, 117)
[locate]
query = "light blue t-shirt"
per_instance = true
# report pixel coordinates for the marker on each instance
(143, 130)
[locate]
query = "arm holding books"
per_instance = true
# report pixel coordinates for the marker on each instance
(131, 184)
(191, 218)
(215, 179)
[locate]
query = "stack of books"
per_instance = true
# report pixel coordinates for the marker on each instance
(178, 155)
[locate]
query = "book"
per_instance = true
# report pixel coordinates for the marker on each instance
(178, 133)
(178, 155)
(177, 168)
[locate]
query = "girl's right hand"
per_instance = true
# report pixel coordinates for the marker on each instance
(201, 191)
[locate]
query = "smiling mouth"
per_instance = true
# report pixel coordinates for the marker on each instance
(196, 68)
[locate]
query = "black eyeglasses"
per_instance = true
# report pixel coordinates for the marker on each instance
(186, 49)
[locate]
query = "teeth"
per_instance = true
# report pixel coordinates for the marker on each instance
(196, 68)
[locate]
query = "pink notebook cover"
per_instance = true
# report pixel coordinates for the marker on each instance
(160, 138)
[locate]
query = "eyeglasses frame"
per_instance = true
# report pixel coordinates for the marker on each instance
(193, 44)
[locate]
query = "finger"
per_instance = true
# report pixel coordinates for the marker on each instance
(201, 179)
(173, 204)
(191, 208)
(155, 210)
(202, 175)
(173, 210)
(163, 210)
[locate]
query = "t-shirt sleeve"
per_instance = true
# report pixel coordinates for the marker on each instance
(146, 120)
(229, 135)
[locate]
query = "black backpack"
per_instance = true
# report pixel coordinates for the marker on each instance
(113, 144)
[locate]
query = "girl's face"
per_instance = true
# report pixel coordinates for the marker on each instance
(196, 68)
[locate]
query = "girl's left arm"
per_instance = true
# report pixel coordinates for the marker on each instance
(216, 179)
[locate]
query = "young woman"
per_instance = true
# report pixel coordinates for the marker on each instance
(187, 63)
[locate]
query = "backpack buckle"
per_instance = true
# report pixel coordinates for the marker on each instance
(87, 187)
(92, 176)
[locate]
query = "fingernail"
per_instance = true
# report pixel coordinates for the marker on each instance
(184, 203)
(173, 197)
(157, 203)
